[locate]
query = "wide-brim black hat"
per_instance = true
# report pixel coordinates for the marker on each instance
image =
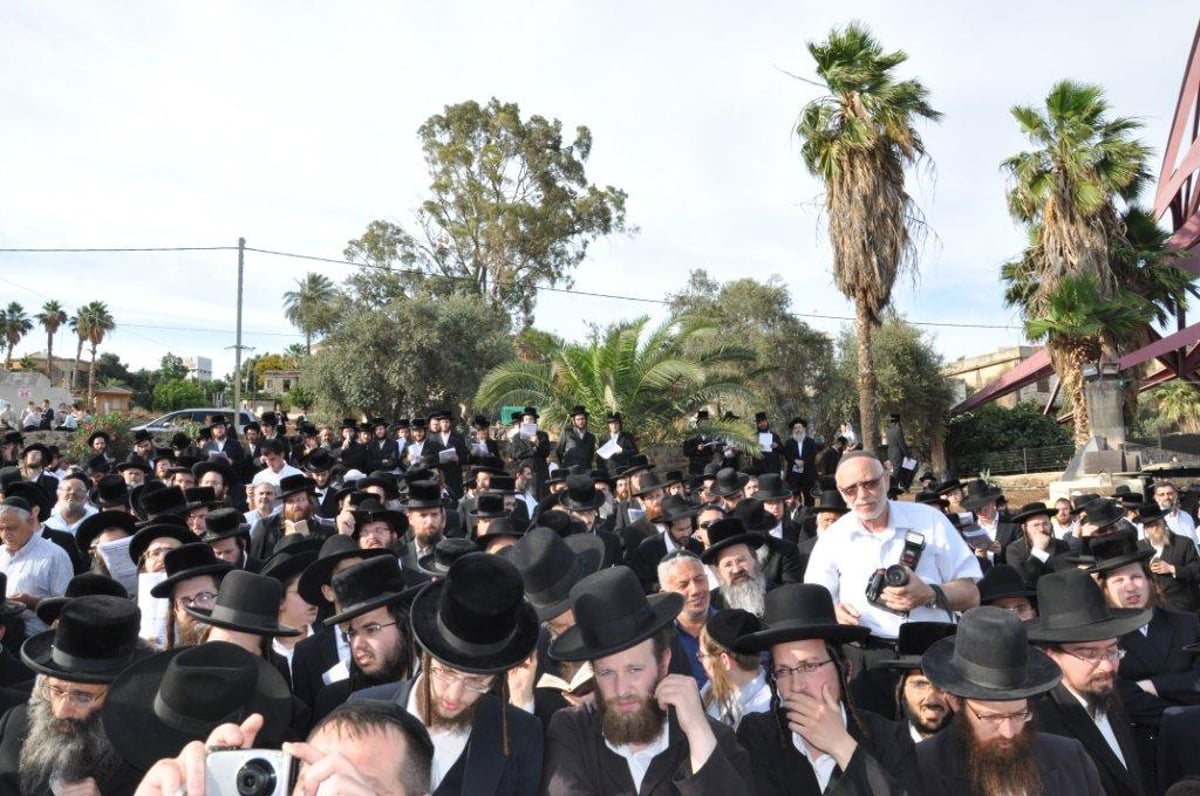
(729, 482)
(754, 516)
(477, 619)
(100, 522)
(82, 585)
(1030, 510)
(437, 562)
(163, 702)
(334, 550)
(914, 640)
(1102, 512)
(213, 466)
(1115, 550)
(949, 486)
(425, 495)
(246, 602)
(1002, 581)
(488, 505)
(368, 585)
(831, 501)
(284, 564)
(295, 484)
(12, 608)
(771, 487)
(497, 528)
(551, 565)
(800, 611)
(612, 614)
(98, 434)
(95, 640)
(190, 561)
(727, 533)
(581, 494)
(675, 507)
(1072, 609)
(990, 659)
(224, 523)
(980, 493)
(159, 530)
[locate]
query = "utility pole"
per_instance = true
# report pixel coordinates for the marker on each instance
(237, 348)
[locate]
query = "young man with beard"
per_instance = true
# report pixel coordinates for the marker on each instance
(993, 747)
(923, 706)
(679, 519)
(650, 494)
(296, 492)
(815, 736)
(576, 445)
(1179, 521)
(377, 528)
(1079, 632)
(193, 579)
(731, 556)
(1175, 564)
(473, 627)
(646, 732)
(56, 743)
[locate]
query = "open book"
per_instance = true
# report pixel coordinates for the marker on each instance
(582, 683)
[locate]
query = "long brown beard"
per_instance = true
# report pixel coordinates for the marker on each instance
(995, 768)
(190, 632)
(641, 726)
(73, 749)
(296, 513)
(427, 706)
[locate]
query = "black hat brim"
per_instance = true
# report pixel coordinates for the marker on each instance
(1041, 675)
(752, 539)
(142, 738)
(564, 500)
(205, 615)
(570, 645)
(423, 619)
(1122, 621)
(37, 652)
(378, 601)
(743, 479)
(142, 540)
(1025, 515)
(288, 564)
(164, 588)
(783, 632)
(320, 572)
(589, 557)
(48, 610)
(973, 502)
(1109, 564)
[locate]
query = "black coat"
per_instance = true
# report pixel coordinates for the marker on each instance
(1063, 765)
(486, 770)
(882, 765)
(632, 536)
(575, 450)
(629, 449)
(1181, 591)
(311, 658)
(579, 762)
(381, 455)
(784, 562)
(770, 460)
(1158, 656)
(80, 562)
(453, 471)
(1060, 713)
(1031, 568)
(802, 482)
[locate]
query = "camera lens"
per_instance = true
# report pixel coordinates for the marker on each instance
(256, 778)
(895, 575)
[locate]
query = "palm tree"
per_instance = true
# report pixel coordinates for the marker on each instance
(16, 324)
(51, 318)
(1068, 191)
(1178, 403)
(73, 324)
(653, 377)
(858, 139)
(94, 322)
(312, 307)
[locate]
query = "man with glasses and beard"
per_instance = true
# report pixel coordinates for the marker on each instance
(993, 747)
(647, 731)
(472, 627)
(56, 743)
(923, 706)
(1079, 632)
(731, 556)
(296, 492)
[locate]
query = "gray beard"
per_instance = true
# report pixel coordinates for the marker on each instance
(749, 595)
(72, 749)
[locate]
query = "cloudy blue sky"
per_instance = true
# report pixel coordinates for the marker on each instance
(294, 124)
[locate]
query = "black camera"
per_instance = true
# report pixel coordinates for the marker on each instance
(896, 574)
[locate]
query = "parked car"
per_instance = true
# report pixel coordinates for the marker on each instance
(172, 421)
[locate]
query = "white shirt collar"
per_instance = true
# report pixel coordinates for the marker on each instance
(822, 764)
(639, 762)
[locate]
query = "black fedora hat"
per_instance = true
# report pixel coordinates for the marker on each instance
(425, 495)
(437, 563)
(729, 482)
(531, 411)
(498, 527)
(371, 510)
(334, 550)
(578, 409)
(928, 497)
(159, 530)
(224, 523)
(754, 516)
(319, 461)
(612, 613)
(771, 487)
(34, 495)
(368, 585)
(948, 486)
(675, 507)
(81, 585)
(488, 505)
(189, 561)
(1072, 609)
(163, 702)
(95, 640)
(385, 481)
(98, 434)
(1115, 550)
(291, 555)
(1150, 513)
(979, 493)
(11, 608)
(581, 494)
(295, 484)
(726, 533)
(1031, 510)
(798, 611)
(476, 619)
(159, 502)
(831, 501)
(1102, 512)
(637, 463)
(1002, 581)
(200, 497)
(100, 522)
(200, 469)
(13, 438)
(248, 603)
(134, 462)
(551, 565)
(914, 639)
(651, 482)
(729, 626)
(989, 658)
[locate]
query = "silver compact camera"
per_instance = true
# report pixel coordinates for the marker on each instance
(249, 772)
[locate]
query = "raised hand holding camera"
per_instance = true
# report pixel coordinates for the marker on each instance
(898, 588)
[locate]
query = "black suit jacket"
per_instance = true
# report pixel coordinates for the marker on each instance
(1181, 591)
(882, 765)
(1158, 656)
(650, 552)
(80, 562)
(1017, 555)
(807, 453)
(784, 562)
(487, 771)
(1060, 713)
(1063, 765)
(382, 455)
(770, 460)
(313, 657)
(632, 535)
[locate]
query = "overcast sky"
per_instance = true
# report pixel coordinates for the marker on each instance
(293, 124)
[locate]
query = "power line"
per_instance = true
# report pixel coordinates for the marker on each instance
(111, 249)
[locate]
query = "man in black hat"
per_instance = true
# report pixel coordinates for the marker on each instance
(780, 560)
(830, 508)
(1175, 565)
(625, 441)
(770, 446)
(34, 458)
(776, 499)
(815, 736)
(57, 743)
(649, 496)
(576, 445)
(919, 703)
(698, 449)
(1080, 633)
(1003, 587)
(982, 498)
(376, 527)
(382, 452)
(800, 461)
(992, 747)
(222, 443)
(274, 457)
(229, 536)
(473, 627)
(679, 519)
(531, 449)
(1031, 553)
(426, 511)
(898, 451)
(732, 556)
(193, 578)
(298, 512)
(646, 731)
(449, 439)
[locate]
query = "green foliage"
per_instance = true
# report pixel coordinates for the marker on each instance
(994, 429)
(51, 318)
(408, 357)
(509, 208)
(171, 368)
(313, 307)
(654, 376)
(14, 324)
(117, 424)
(299, 397)
(178, 394)
(1176, 408)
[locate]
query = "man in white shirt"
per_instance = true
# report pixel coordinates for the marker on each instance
(1179, 521)
(72, 507)
(277, 468)
(36, 567)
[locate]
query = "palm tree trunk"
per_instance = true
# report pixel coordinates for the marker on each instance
(91, 395)
(50, 358)
(75, 366)
(8, 358)
(868, 383)
(1068, 362)
(308, 342)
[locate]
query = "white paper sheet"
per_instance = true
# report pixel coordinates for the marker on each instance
(608, 449)
(120, 566)
(765, 440)
(154, 609)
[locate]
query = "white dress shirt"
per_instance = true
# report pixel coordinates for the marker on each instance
(1103, 725)
(822, 764)
(1181, 522)
(448, 745)
(40, 569)
(639, 762)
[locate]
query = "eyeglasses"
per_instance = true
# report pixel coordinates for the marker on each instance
(869, 485)
(476, 685)
(996, 719)
(158, 552)
(204, 599)
(369, 630)
(1094, 657)
(807, 668)
(1020, 610)
(78, 699)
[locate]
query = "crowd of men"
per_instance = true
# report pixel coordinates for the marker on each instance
(402, 608)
